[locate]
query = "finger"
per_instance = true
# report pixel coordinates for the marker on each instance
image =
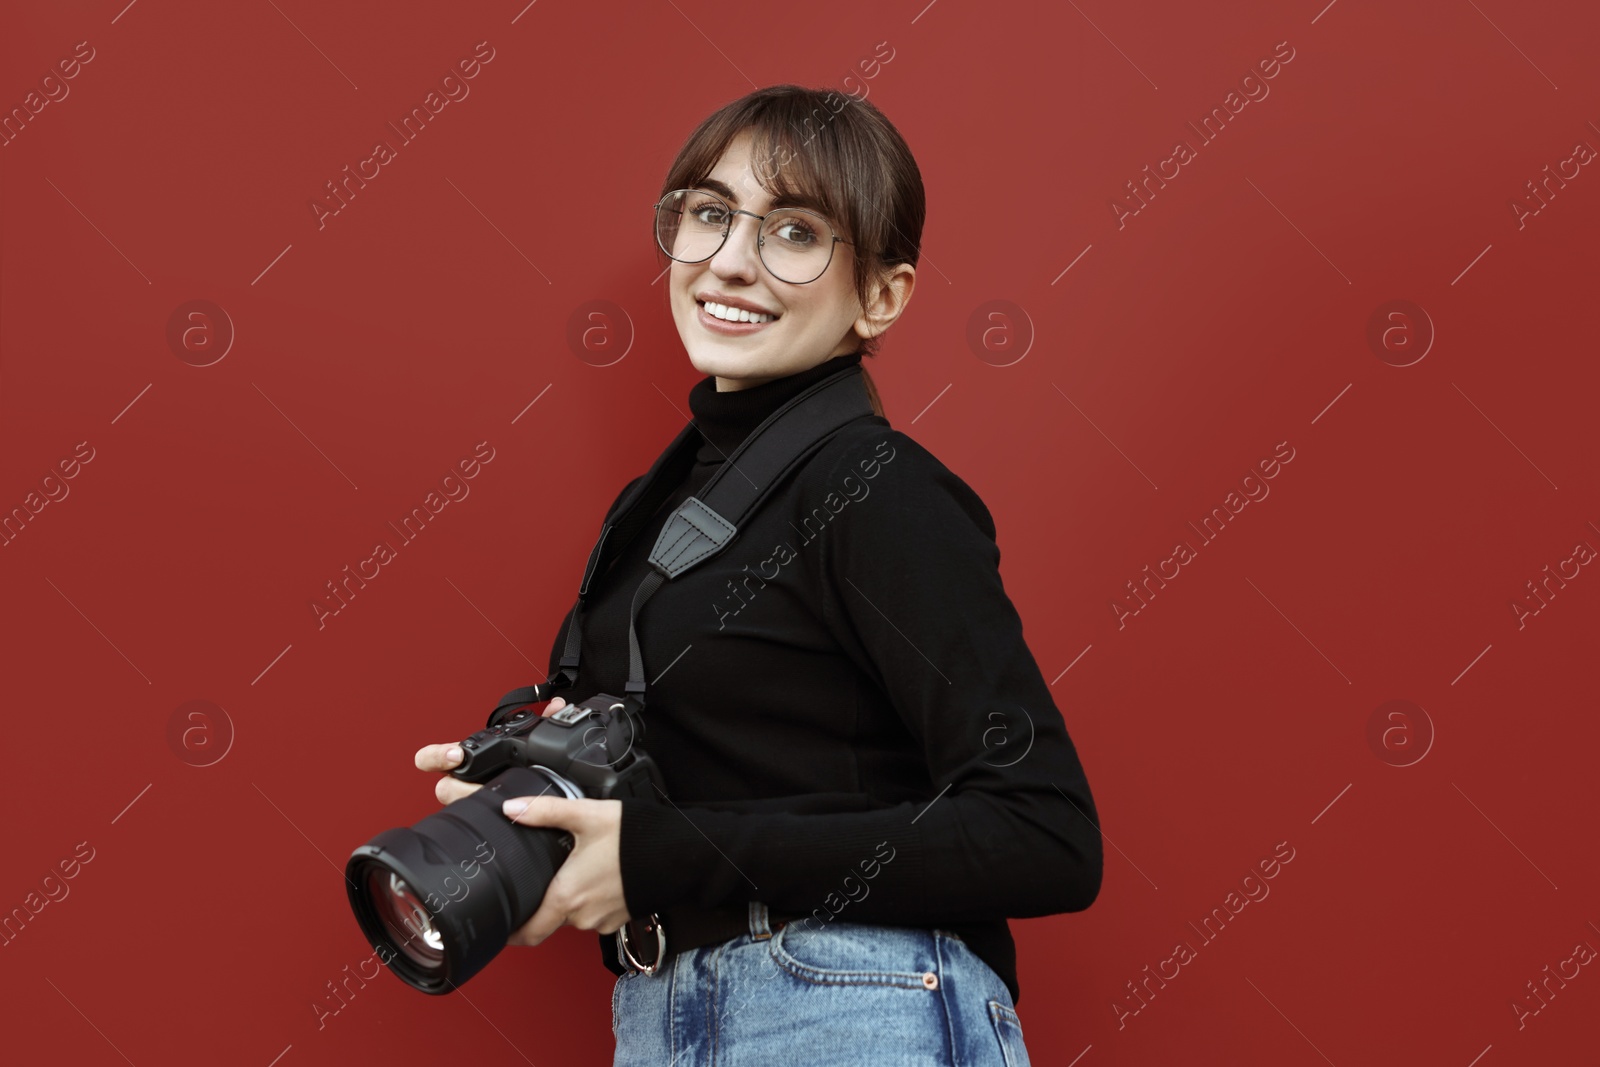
(559, 812)
(449, 790)
(438, 757)
(546, 921)
(555, 705)
(602, 922)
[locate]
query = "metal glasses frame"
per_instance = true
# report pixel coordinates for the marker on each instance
(727, 228)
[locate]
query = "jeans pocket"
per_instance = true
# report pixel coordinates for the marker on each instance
(855, 954)
(1008, 1029)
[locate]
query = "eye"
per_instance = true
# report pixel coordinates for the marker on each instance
(709, 212)
(796, 230)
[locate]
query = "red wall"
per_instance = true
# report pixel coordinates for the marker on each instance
(1361, 210)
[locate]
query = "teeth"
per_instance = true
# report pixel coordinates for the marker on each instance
(722, 311)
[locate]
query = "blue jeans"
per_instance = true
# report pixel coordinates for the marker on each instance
(834, 994)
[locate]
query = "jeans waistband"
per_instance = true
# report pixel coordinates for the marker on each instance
(690, 928)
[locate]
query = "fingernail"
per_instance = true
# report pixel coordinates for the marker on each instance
(453, 753)
(514, 808)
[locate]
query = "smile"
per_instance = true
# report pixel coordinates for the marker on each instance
(725, 319)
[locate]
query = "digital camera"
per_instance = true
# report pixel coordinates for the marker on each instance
(437, 900)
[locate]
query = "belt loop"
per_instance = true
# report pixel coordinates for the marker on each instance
(759, 930)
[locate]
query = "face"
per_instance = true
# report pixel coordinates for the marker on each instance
(814, 321)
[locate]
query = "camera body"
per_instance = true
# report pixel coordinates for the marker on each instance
(591, 744)
(406, 887)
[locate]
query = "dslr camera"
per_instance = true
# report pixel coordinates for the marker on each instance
(438, 899)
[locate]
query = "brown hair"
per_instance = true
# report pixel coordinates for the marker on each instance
(837, 152)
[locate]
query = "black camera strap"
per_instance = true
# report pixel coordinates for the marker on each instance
(702, 526)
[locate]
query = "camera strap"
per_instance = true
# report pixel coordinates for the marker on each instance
(702, 526)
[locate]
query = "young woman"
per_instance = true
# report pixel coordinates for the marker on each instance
(866, 774)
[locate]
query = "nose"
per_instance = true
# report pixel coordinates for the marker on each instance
(738, 257)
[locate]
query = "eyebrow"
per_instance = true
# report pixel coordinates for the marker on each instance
(723, 190)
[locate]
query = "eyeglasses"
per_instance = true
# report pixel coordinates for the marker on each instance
(795, 244)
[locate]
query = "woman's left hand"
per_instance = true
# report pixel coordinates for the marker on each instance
(586, 891)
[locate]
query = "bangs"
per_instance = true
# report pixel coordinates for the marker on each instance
(798, 163)
(797, 172)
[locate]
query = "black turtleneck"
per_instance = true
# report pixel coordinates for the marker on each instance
(725, 419)
(843, 698)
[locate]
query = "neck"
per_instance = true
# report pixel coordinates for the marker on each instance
(733, 385)
(726, 416)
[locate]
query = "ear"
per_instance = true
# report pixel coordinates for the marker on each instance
(888, 299)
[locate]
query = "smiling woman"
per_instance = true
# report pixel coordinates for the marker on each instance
(841, 718)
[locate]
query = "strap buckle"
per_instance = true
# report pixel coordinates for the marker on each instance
(625, 955)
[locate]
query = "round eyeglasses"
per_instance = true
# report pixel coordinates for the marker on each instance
(794, 243)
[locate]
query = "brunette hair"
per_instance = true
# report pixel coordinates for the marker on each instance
(836, 153)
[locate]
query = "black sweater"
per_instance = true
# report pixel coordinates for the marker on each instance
(842, 704)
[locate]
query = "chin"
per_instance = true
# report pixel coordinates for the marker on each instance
(731, 365)
(724, 357)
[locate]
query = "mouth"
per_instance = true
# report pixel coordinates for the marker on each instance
(732, 322)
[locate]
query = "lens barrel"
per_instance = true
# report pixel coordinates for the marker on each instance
(438, 899)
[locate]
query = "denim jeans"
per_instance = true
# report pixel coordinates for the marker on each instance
(834, 993)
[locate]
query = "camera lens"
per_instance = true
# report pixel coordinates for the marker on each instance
(405, 917)
(438, 899)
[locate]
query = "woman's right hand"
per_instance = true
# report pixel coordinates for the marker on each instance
(443, 758)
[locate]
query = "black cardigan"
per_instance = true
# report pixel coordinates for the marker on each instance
(842, 704)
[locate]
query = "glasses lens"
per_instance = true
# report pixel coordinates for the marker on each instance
(690, 224)
(796, 245)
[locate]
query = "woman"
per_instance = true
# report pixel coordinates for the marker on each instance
(865, 771)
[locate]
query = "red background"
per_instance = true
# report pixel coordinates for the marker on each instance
(1229, 314)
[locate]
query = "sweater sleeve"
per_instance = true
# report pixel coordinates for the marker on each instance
(909, 581)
